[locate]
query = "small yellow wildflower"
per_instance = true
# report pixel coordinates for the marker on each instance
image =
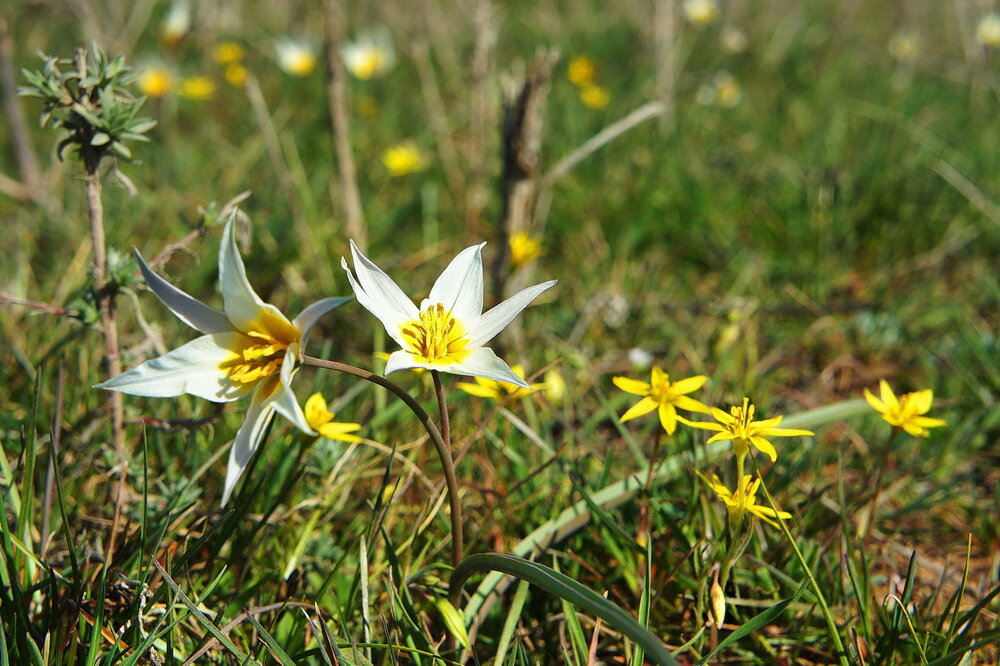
(555, 386)
(228, 53)
(739, 426)
(236, 75)
(581, 71)
(403, 159)
(297, 57)
(488, 388)
(906, 411)
(155, 82)
(524, 249)
(662, 395)
(988, 30)
(321, 420)
(197, 88)
(701, 12)
(743, 500)
(595, 96)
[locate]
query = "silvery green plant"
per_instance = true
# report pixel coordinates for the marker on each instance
(88, 97)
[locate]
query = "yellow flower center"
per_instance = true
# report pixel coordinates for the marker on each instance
(742, 424)
(437, 337)
(369, 64)
(260, 352)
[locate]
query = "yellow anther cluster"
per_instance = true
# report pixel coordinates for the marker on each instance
(436, 336)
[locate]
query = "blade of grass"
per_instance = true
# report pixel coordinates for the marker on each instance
(510, 623)
(566, 588)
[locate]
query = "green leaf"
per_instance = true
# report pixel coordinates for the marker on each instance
(753, 624)
(566, 588)
(100, 139)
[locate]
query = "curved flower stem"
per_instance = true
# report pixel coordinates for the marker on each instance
(441, 444)
(442, 409)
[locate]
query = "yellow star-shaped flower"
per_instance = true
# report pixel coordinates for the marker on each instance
(321, 420)
(907, 411)
(662, 395)
(739, 426)
(743, 500)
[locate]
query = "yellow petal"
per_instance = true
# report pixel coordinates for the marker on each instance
(479, 390)
(888, 397)
(765, 447)
(690, 384)
(668, 418)
(921, 401)
(631, 385)
(644, 406)
(876, 404)
(690, 404)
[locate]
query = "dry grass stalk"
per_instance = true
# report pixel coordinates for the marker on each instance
(665, 53)
(482, 110)
(437, 116)
(27, 162)
(521, 131)
(333, 33)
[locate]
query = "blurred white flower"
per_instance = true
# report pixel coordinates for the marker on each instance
(988, 30)
(733, 39)
(723, 90)
(370, 55)
(701, 12)
(176, 23)
(296, 56)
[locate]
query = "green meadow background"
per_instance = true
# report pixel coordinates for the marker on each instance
(829, 220)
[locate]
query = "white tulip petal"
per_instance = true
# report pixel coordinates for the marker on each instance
(401, 360)
(379, 294)
(193, 368)
(188, 309)
(242, 304)
(460, 286)
(494, 320)
(282, 399)
(308, 317)
(247, 439)
(480, 362)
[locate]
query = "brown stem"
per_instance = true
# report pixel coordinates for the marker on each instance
(440, 445)
(442, 408)
(23, 151)
(105, 302)
(354, 219)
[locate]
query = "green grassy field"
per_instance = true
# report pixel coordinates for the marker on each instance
(793, 200)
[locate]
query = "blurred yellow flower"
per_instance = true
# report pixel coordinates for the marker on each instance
(402, 159)
(488, 388)
(297, 57)
(228, 53)
(197, 88)
(581, 71)
(176, 23)
(988, 30)
(155, 81)
(662, 395)
(904, 46)
(555, 386)
(701, 12)
(739, 426)
(321, 420)
(236, 75)
(524, 248)
(743, 500)
(594, 96)
(370, 55)
(907, 411)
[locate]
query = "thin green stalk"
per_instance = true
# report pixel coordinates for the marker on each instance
(831, 622)
(440, 445)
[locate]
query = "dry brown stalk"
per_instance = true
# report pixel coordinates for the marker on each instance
(354, 219)
(482, 111)
(665, 53)
(27, 162)
(521, 131)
